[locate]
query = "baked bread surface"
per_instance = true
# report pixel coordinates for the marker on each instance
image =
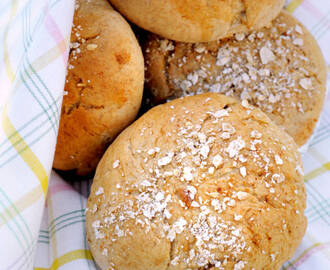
(202, 182)
(199, 20)
(279, 69)
(104, 86)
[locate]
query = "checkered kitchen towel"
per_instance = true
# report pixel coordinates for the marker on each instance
(34, 43)
(33, 53)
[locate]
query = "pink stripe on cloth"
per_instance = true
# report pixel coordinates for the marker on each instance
(312, 9)
(322, 18)
(58, 187)
(55, 32)
(306, 256)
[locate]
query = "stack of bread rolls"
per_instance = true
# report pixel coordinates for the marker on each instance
(212, 178)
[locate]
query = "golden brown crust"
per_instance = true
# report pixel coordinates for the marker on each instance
(104, 86)
(199, 21)
(199, 182)
(289, 85)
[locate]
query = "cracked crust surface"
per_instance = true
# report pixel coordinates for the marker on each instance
(279, 69)
(202, 182)
(196, 20)
(104, 86)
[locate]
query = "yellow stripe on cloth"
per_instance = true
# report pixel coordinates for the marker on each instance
(8, 66)
(24, 202)
(313, 174)
(24, 151)
(293, 5)
(67, 258)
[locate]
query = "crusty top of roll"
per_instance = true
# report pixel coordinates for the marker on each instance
(279, 68)
(202, 182)
(199, 20)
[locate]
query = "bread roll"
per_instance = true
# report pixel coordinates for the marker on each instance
(279, 68)
(199, 20)
(201, 182)
(104, 86)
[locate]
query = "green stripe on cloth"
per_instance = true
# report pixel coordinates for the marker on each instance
(318, 198)
(25, 152)
(318, 27)
(14, 233)
(52, 233)
(313, 220)
(53, 230)
(26, 26)
(83, 221)
(30, 89)
(321, 136)
(315, 216)
(23, 127)
(24, 202)
(64, 215)
(4, 220)
(13, 213)
(325, 203)
(22, 263)
(15, 216)
(321, 33)
(56, 113)
(27, 148)
(17, 142)
(43, 242)
(28, 64)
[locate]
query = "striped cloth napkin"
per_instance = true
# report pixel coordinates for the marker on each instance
(34, 45)
(33, 55)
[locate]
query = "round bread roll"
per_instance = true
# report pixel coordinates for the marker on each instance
(104, 86)
(279, 69)
(196, 20)
(201, 182)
